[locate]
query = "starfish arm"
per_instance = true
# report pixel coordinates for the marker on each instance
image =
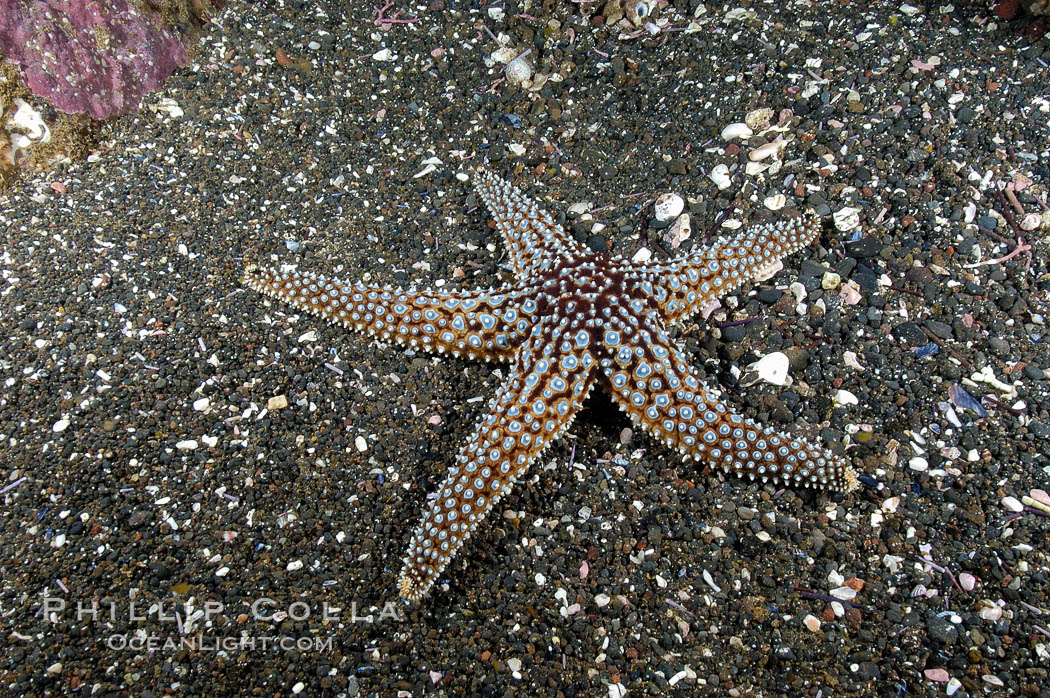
(533, 239)
(660, 391)
(488, 324)
(682, 286)
(546, 388)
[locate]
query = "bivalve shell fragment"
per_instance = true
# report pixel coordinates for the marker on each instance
(668, 206)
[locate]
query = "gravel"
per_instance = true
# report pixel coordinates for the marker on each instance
(183, 491)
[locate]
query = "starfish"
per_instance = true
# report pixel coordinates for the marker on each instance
(573, 318)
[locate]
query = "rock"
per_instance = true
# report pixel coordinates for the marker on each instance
(910, 333)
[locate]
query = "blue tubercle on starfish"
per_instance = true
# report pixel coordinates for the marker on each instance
(573, 318)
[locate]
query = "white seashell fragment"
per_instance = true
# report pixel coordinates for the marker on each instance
(737, 131)
(772, 368)
(383, 55)
(830, 281)
(759, 119)
(967, 581)
(361, 444)
(294, 565)
(990, 610)
(30, 121)
(720, 176)
(842, 398)
(812, 623)
(60, 426)
(844, 592)
(668, 206)
(846, 219)
(850, 293)
(756, 168)
(850, 359)
(918, 463)
(775, 202)
(1031, 221)
(768, 150)
(201, 404)
(768, 271)
(679, 232)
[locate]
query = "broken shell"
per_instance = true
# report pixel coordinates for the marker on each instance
(668, 206)
(830, 281)
(30, 121)
(762, 152)
(775, 202)
(736, 131)
(846, 219)
(843, 398)
(1031, 221)
(679, 232)
(759, 119)
(720, 176)
(773, 368)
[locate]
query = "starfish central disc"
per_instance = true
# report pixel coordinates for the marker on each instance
(573, 318)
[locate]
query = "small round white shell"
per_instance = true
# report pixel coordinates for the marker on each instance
(518, 71)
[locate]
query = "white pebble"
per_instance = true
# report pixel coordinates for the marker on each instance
(298, 688)
(186, 445)
(294, 565)
(60, 426)
(830, 281)
(967, 581)
(918, 463)
(514, 664)
(601, 600)
(277, 402)
(361, 444)
(59, 540)
(1012, 504)
(737, 131)
(540, 579)
(222, 571)
(668, 206)
(201, 404)
(382, 55)
(812, 623)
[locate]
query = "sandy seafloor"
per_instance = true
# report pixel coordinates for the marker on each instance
(143, 472)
